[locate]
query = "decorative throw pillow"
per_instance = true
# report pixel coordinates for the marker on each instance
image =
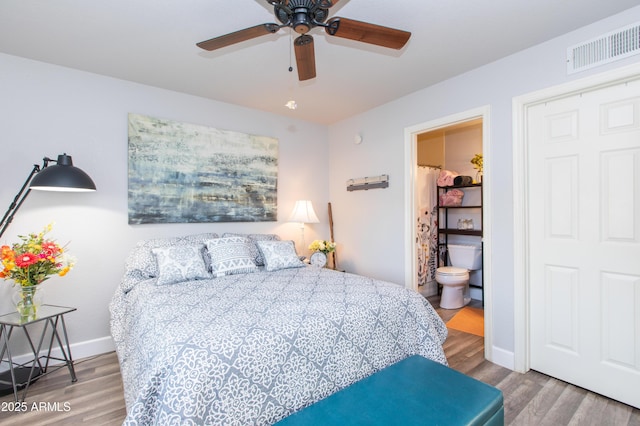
(254, 238)
(142, 262)
(201, 239)
(231, 255)
(180, 263)
(279, 255)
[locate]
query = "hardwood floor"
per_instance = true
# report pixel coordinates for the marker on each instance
(95, 399)
(530, 399)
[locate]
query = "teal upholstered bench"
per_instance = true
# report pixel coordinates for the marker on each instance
(414, 391)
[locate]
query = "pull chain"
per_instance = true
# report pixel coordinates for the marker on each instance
(291, 104)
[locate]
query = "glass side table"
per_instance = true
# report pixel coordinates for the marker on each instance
(53, 317)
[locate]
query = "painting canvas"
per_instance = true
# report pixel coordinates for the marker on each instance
(187, 173)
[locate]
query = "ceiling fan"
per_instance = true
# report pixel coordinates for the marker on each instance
(303, 16)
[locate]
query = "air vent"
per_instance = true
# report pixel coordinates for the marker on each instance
(609, 47)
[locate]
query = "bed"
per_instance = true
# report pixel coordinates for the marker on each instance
(236, 330)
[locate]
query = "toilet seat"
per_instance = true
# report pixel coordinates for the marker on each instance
(452, 276)
(452, 271)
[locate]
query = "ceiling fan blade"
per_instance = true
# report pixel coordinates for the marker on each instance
(305, 57)
(238, 36)
(367, 33)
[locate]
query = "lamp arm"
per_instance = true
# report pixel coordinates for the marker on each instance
(18, 200)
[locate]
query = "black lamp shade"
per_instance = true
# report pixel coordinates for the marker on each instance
(62, 176)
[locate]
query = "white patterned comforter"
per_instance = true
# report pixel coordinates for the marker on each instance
(251, 349)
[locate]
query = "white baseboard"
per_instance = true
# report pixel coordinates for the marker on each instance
(503, 358)
(79, 350)
(93, 347)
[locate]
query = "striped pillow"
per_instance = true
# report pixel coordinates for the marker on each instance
(231, 255)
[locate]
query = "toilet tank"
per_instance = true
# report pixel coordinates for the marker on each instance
(465, 256)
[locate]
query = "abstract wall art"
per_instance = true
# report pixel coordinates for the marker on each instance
(188, 173)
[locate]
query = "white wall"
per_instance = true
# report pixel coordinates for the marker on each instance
(46, 110)
(370, 224)
(460, 145)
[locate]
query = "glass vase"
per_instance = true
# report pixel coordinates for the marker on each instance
(27, 300)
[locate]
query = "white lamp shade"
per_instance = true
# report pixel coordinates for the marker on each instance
(303, 212)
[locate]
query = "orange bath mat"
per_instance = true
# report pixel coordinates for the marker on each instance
(469, 320)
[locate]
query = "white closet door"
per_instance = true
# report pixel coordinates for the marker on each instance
(584, 228)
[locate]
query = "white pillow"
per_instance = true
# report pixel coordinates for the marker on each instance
(231, 255)
(279, 255)
(142, 262)
(253, 239)
(180, 263)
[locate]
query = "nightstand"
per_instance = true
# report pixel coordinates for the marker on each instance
(21, 375)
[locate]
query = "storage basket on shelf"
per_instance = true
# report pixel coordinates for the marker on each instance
(452, 198)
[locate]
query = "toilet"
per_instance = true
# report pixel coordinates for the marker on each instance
(455, 279)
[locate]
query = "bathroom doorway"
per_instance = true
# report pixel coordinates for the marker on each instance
(455, 150)
(449, 143)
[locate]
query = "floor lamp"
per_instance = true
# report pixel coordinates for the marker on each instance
(303, 213)
(62, 176)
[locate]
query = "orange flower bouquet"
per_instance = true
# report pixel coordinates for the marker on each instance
(34, 259)
(29, 263)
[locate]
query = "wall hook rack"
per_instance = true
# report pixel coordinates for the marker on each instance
(365, 183)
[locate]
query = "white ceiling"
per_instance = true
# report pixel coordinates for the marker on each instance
(153, 42)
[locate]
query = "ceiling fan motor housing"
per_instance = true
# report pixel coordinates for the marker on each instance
(301, 15)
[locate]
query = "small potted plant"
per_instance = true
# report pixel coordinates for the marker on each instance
(477, 163)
